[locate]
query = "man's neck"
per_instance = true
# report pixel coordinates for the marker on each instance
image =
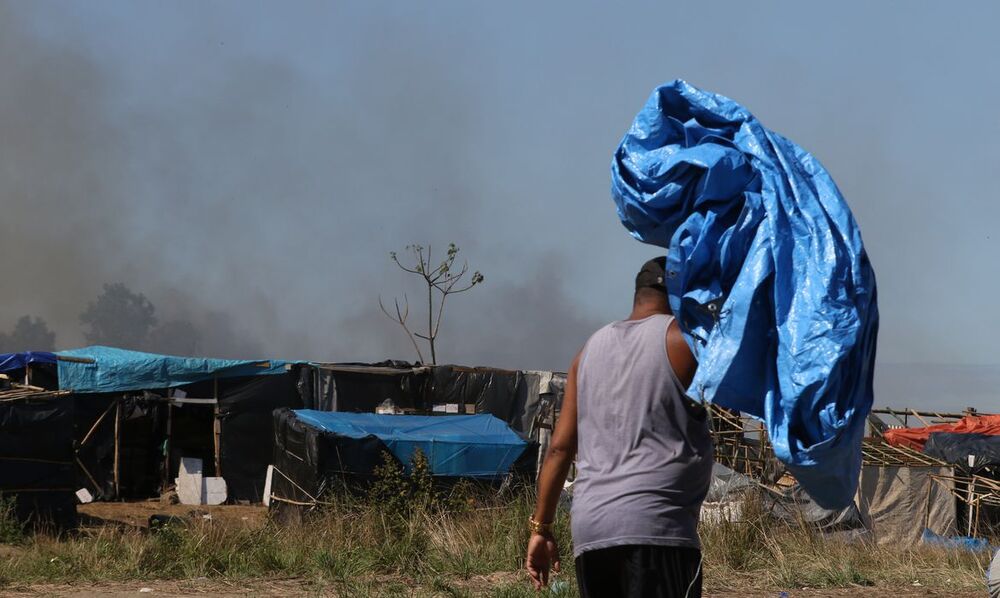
(641, 312)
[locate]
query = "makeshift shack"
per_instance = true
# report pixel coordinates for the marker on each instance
(316, 451)
(37, 468)
(900, 492)
(138, 414)
(31, 368)
(526, 400)
(135, 415)
(969, 442)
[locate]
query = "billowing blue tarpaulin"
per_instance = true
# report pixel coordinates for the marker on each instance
(17, 361)
(107, 369)
(766, 272)
(478, 446)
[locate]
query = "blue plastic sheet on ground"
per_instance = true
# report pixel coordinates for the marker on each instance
(17, 361)
(958, 542)
(108, 369)
(766, 272)
(478, 446)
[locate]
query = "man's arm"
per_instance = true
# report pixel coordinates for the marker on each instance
(679, 354)
(542, 550)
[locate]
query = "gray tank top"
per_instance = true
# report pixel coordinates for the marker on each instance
(644, 453)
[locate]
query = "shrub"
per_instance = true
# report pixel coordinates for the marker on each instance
(11, 529)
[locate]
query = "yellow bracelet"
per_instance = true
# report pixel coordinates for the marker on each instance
(537, 527)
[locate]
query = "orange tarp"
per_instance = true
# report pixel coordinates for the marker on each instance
(915, 438)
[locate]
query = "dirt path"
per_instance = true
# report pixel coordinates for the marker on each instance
(137, 514)
(301, 587)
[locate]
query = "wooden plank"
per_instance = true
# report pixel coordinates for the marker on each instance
(193, 401)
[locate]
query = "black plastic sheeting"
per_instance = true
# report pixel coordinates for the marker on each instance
(310, 462)
(362, 388)
(142, 431)
(507, 395)
(141, 436)
(503, 394)
(246, 407)
(247, 433)
(36, 460)
(955, 448)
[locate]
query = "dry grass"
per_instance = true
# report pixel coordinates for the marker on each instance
(355, 548)
(763, 553)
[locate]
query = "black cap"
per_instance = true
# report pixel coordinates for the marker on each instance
(652, 275)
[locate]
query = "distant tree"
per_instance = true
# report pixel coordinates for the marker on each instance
(29, 334)
(118, 317)
(175, 337)
(441, 281)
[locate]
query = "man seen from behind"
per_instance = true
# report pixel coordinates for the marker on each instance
(643, 458)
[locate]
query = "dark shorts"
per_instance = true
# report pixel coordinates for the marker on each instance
(627, 571)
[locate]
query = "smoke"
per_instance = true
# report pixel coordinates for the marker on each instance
(528, 324)
(255, 208)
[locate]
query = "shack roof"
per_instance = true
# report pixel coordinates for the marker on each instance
(108, 369)
(17, 361)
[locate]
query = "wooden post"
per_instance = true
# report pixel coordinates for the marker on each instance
(217, 429)
(118, 417)
(27, 374)
(969, 496)
(927, 504)
(166, 447)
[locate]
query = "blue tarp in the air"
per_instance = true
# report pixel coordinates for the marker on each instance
(479, 446)
(119, 370)
(766, 272)
(16, 361)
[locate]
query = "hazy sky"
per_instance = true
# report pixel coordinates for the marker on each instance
(248, 166)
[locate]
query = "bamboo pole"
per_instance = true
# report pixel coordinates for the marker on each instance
(217, 429)
(90, 432)
(167, 447)
(86, 360)
(97, 487)
(118, 418)
(969, 492)
(917, 415)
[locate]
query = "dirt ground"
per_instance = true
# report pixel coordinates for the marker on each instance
(300, 587)
(137, 514)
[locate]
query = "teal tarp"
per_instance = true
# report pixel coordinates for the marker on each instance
(107, 369)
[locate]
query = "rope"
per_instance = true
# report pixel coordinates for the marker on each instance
(315, 500)
(295, 502)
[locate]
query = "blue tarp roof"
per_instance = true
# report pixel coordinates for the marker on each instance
(766, 274)
(119, 370)
(17, 361)
(456, 445)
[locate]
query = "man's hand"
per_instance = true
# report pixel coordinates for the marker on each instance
(543, 554)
